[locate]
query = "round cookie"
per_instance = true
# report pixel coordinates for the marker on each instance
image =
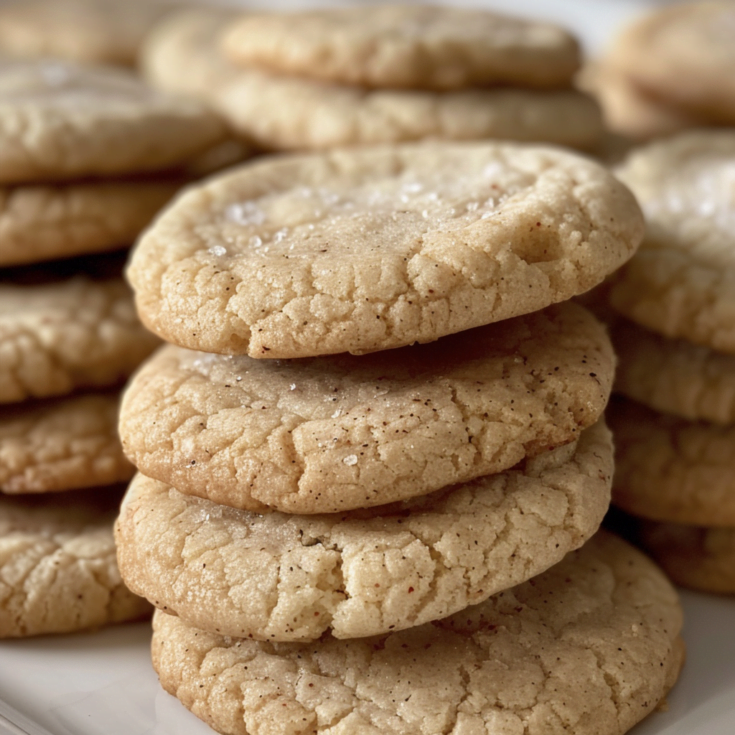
(45, 222)
(58, 572)
(700, 558)
(685, 54)
(670, 469)
(61, 444)
(674, 376)
(681, 283)
(368, 249)
(80, 332)
(406, 46)
(286, 577)
(60, 120)
(590, 647)
(88, 31)
(328, 434)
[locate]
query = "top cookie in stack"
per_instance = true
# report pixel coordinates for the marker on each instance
(377, 75)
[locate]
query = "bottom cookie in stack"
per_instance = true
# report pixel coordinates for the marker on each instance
(590, 646)
(674, 465)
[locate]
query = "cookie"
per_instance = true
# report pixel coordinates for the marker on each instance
(57, 337)
(57, 564)
(671, 469)
(286, 577)
(683, 53)
(681, 283)
(590, 647)
(61, 444)
(89, 31)
(329, 434)
(699, 558)
(406, 46)
(674, 376)
(367, 249)
(46, 222)
(60, 120)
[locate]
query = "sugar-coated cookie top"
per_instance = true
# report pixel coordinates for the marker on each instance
(407, 46)
(367, 249)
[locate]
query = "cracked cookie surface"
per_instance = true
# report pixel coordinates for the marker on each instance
(285, 577)
(58, 571)
(323, 435)
(674, 376)
(671, 469)
(589, 647)
(60, 336)
(61, 444)
(406, 46)
(681, 282)
(60, 120)
(372, 248)
(45, 222)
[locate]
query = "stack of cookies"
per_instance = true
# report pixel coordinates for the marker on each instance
(368, 75)
(675, 461)
(69, 335)
(325, 508)
(670, 70)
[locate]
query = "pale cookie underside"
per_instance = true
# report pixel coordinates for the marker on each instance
(287, 113)
(590, 647)
(329, 434)
(406, 46)
(700, 558)
(367, 249)
(60, 120)
(682, 280)
(674, 376)
(684, 53)
(671, 469)
(88, 31)
(77, 333)
(58, 571)
(62, 444)
(286, 577)
(45, 222)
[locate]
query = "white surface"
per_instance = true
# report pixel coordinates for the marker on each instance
(103, 684)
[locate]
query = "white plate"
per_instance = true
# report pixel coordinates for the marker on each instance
(103, 683)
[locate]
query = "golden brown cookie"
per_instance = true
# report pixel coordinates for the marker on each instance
(590, 647)
(61, 444)
(367, 249)
(58, 571)
(406, 46)
(287, 577)
(681, 283)
(329, 434)
(60, 120)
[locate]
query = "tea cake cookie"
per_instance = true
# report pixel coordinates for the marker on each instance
(368, 249)
(58, 572)
(674, 376)
(287, 577)
(684, 54)
(288, 113)
(670, 469)
(681, 283)
(56, 337)
(406, 46)
(60, 120)
(589, 647)
(700, 558)
(45, 222)
(329, 434)
(61, 444)
(88, 31)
